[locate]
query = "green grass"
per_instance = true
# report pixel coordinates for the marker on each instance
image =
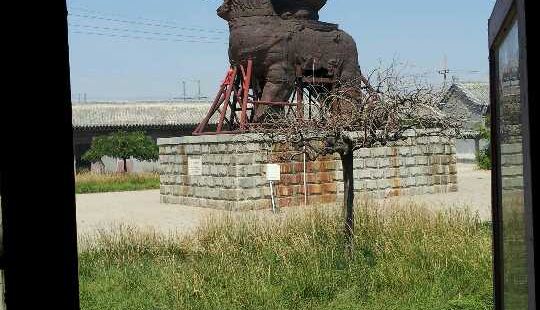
(99, 183)
(406, 259)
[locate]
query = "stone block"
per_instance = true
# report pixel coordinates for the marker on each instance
(512, 171)
(384, 183)
(244, 159)
(404, 151)
(511, 160)
(514, 148)
(362, 153)
(252, 147)
(416, 171)
(391, 173)
(371, 184)
(416, 150)
(378, 152)
(163, 199)
(421, 180)
(404, 172)
(232, 171)
(359, 163)
(372, 163)
(384, 162)
(251, 182)
(230, 194)
(512, 182)
(363, 174)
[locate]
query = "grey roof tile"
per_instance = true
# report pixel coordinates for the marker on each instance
(478, 92)
(138, 114)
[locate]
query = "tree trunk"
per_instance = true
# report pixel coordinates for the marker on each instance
(348, 199)
(125, 165)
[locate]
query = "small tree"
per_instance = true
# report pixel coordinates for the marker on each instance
(483, 156)
(123, 145)
(353, 116)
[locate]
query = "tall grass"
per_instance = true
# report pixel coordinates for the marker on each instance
(407, 258)
(115, 182)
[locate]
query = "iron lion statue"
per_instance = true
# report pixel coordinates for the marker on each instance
(283, 35)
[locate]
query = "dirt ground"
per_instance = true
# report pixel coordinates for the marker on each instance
(143, 209)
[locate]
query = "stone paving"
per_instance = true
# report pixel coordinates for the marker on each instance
(144, 210)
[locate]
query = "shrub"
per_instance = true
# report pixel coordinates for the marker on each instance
(123, 145)
(483, 159)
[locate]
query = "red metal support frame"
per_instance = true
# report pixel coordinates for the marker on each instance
(229, 79)
(245, 96)
(223, 110)
(234, 96)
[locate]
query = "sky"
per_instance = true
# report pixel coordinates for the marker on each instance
(147, 50)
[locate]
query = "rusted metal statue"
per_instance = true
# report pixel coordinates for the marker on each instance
(273, 45)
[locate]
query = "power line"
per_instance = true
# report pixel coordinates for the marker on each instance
(97, 17)
(445, 71)
(147, 32)
(155, 22)
(141, 37)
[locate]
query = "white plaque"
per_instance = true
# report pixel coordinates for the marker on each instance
(273, 172)
(194, 166)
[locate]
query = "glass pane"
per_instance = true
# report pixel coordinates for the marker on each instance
(509, 101)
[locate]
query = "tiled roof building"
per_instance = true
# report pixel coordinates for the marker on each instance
(124, 115)
(467, 101)
(158, 120)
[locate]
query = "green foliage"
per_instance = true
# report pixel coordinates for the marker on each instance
(409, 258)
(123, 145)
(101, 183)
(483, 157)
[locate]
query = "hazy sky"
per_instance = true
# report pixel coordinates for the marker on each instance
(141, 49)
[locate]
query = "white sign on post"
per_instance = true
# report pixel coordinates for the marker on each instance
(194, 166)
(273, 172)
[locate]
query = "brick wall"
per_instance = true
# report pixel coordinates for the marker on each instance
(234, 172)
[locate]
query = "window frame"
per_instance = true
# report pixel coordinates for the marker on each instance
(504, 14)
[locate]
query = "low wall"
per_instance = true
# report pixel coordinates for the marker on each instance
(112, 165)
(233, 172)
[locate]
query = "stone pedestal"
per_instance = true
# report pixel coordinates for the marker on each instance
(233, 174)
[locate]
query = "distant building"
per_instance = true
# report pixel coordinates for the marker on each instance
(469, 102)
(158, 120)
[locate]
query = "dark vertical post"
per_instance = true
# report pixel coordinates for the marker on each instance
(348, 199)
(184, 89)
(38, 201)
(495, 179)
(299, 93)
(199, 89)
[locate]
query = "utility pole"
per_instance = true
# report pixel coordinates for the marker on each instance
(199, 89)
(184, 88)
(445, 71)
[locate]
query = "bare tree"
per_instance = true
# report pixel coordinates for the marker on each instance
(358, 114)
